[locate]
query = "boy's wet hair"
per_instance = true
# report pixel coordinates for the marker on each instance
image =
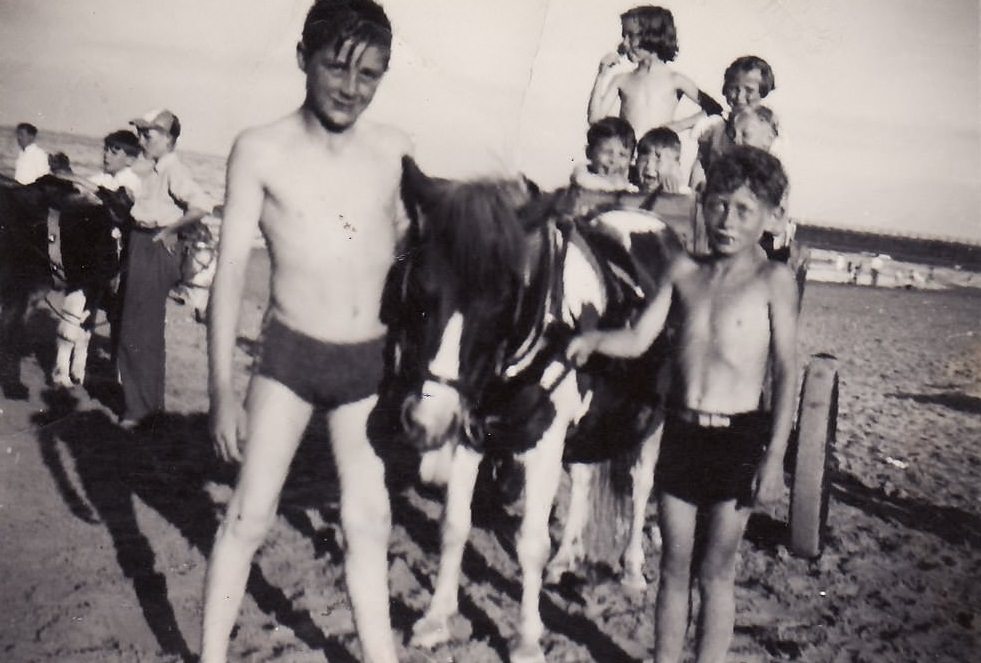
(611, 127)
(27, 128)
(123, 140)
(658, 137)
(746, 64)
(762, 113)
(658, 34)
(757, 169)
(334, 23)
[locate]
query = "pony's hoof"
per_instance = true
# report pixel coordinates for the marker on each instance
(430, 631)
(61, 379)
(528, 653)
(634, 581)
(554, 573)
(558, 568)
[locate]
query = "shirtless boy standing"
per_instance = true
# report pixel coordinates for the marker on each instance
(730, 315)
(324, 190)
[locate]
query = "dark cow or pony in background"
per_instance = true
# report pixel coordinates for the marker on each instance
(494, 280)
(199, 249)
(52, 237)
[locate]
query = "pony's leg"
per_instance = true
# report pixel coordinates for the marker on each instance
(543, 467)
(643, 483)
(70, 337)
(14, 296)
(433, 628)
(80, 356)
(60, 374)
(571, 550)
(436, 467)
(367, 522)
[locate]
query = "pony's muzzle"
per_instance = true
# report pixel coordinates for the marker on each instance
(421, 436)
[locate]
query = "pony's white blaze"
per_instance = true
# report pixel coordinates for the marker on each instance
(440, 403)
(582, 287)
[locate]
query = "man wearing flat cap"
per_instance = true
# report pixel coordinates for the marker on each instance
(170, 199)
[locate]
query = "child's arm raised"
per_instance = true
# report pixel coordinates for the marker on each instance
(709, 106)
(783, 356)
(604, 92)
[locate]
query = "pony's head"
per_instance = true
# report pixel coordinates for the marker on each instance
(453, 294)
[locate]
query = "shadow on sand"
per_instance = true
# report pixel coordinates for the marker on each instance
(477, 568)
(166, 463)
(954, 400)
(949, 523)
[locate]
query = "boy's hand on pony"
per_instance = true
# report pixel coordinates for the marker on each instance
(581, 347)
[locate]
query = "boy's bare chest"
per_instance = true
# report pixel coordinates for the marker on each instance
(737, 317)
(332, 200)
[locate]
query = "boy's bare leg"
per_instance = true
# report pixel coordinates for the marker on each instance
(717, 576)
(367, 522)
(677, 521)
(276, 420)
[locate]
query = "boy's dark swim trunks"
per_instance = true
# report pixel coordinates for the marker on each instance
(322, 373)
(705, 465)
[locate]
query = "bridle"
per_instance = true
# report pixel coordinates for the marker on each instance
(523, 355)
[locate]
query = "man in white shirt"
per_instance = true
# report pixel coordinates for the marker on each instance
(169, 199)
(32, 162)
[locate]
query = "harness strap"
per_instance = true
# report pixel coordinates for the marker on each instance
(55, 260)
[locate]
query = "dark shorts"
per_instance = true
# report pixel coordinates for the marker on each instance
(708, 465)
(322, 373)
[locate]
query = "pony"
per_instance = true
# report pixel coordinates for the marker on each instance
(53, 238)
(199, 262)
(494, 280)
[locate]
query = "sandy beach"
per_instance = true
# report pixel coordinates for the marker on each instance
(104, 532)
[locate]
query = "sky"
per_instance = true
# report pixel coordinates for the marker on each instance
(878, 100)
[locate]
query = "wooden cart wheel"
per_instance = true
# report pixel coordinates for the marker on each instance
(816, 427)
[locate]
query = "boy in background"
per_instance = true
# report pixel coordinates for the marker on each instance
(32, 161)
(609, 151)
(169, 199)
(746, 83)
(649, 94)
(659, 162)
(730, 316)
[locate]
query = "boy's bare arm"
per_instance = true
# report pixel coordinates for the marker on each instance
(243, 207)
(783, 354)
(605, 89)
(630, 341)
(709, 106)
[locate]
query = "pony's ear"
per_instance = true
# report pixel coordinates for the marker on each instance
(534, 191)
(415, 184)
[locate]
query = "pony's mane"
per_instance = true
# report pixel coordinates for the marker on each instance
(476, 227)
